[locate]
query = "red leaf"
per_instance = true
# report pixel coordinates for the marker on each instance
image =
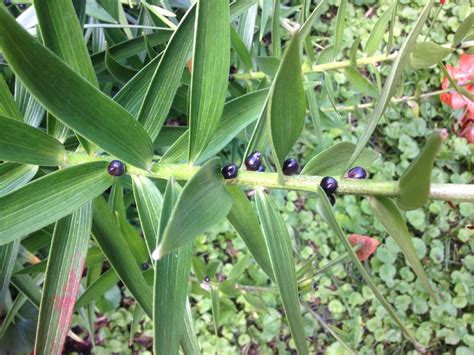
(369, 245)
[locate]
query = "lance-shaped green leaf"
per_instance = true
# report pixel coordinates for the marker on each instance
(309, 23)
(167, 77)
(327, 214)
(8, 253)
(332, 160)
(210, 72)
(388, 214)
(216, 308)
(379, 30)
(189, 341)
(360, 82)
(170, 284)
(8, 106)
(278, 242)
(30, 108)
(70, 98)
(287, 103)
(63, 279)
(238, 114)
(391, 83)
(426, 54)
(463, 30)
(14, 176)
(111, 241)
(98, 288)
(414, 185)
(203, 203)
(340, 24)
(50, 198)
(244, 219)
(149, 203)
(28, 286)
(120, 72)
(22, 143)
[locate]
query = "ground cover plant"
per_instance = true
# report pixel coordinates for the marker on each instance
(254, 176)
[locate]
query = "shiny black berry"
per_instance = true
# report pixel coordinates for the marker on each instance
(253, 161)
(145, 266)
(290, 166)
(230, 171)
(332, 199)
(7, 2)
(329, 185)
(231, 77)
(232, 69)
(22, 6)
(261, 169)
(116, 168)
(357, 173)
(207, 279)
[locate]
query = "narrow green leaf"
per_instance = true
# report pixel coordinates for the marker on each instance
(149, 203)
(426, 54)
(22, 143)
(14, 176)
(244, 219)
(276, 34)
(29, 287)
(70, 98)
(379, 30)
(287, 99)
(111, 241)
(8, 106)
(170, 284)
(98, 288)
(360, 83)
(216, 308)
(269, 65)
(30, 108)
(309, 23)
(12, 313)
(8, 253)
(278, 242)
(265, 15)
(466, 26)
(203, 203)
(392, 27)
(120, 72)
(314, 107)
(238, 114)
(37, 205)
(189, 341)
(240, 49)
(63, 279)
(389, 215)
(340, 25)
(332, 160)
(391, 83)
(210, 71)
(414, 184)
(460, 89)
(326, 212)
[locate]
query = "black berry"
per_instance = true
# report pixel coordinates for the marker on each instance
(230, 171)
(261, 169)
(253, 161)
(357, 173)
(7, 2)
(116, 168)
(332, 199)
(290, 166)
(207, 279)
(232, 69)
(231, 77)
(22, 6)
(145, 266)
(329, 185)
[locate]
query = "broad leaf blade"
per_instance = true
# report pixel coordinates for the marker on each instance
(203, 203)
(63, 279)
(210, 71)
(332, 160)
(389, 215)
(414, 185)
(391, 83)
(170, 285)
(37, 205)
(327, 214)
(22, 143)
(426, 54)
(71, 99)
(111, 241)
(287, 103)
(279, 249)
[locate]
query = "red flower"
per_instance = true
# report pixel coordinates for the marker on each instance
(369, 245)
(442, 2)
(463, 74)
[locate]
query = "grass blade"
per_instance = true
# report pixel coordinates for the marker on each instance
(8, 253)
(378, 32)
(203, 203)
(36, 205)
(340, 24)
(98, 288)
(279, 249)
(22, 143)
(210, 71)
(389, 215)
(390, 84)
(276, 34)
(63, 279)
(189, 342)
(70, 98)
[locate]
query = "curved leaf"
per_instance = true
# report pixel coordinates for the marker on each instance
(13, 176)
(426, 54)
(379, 30)
(70, 98)
(50, 198)
(22, 143)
